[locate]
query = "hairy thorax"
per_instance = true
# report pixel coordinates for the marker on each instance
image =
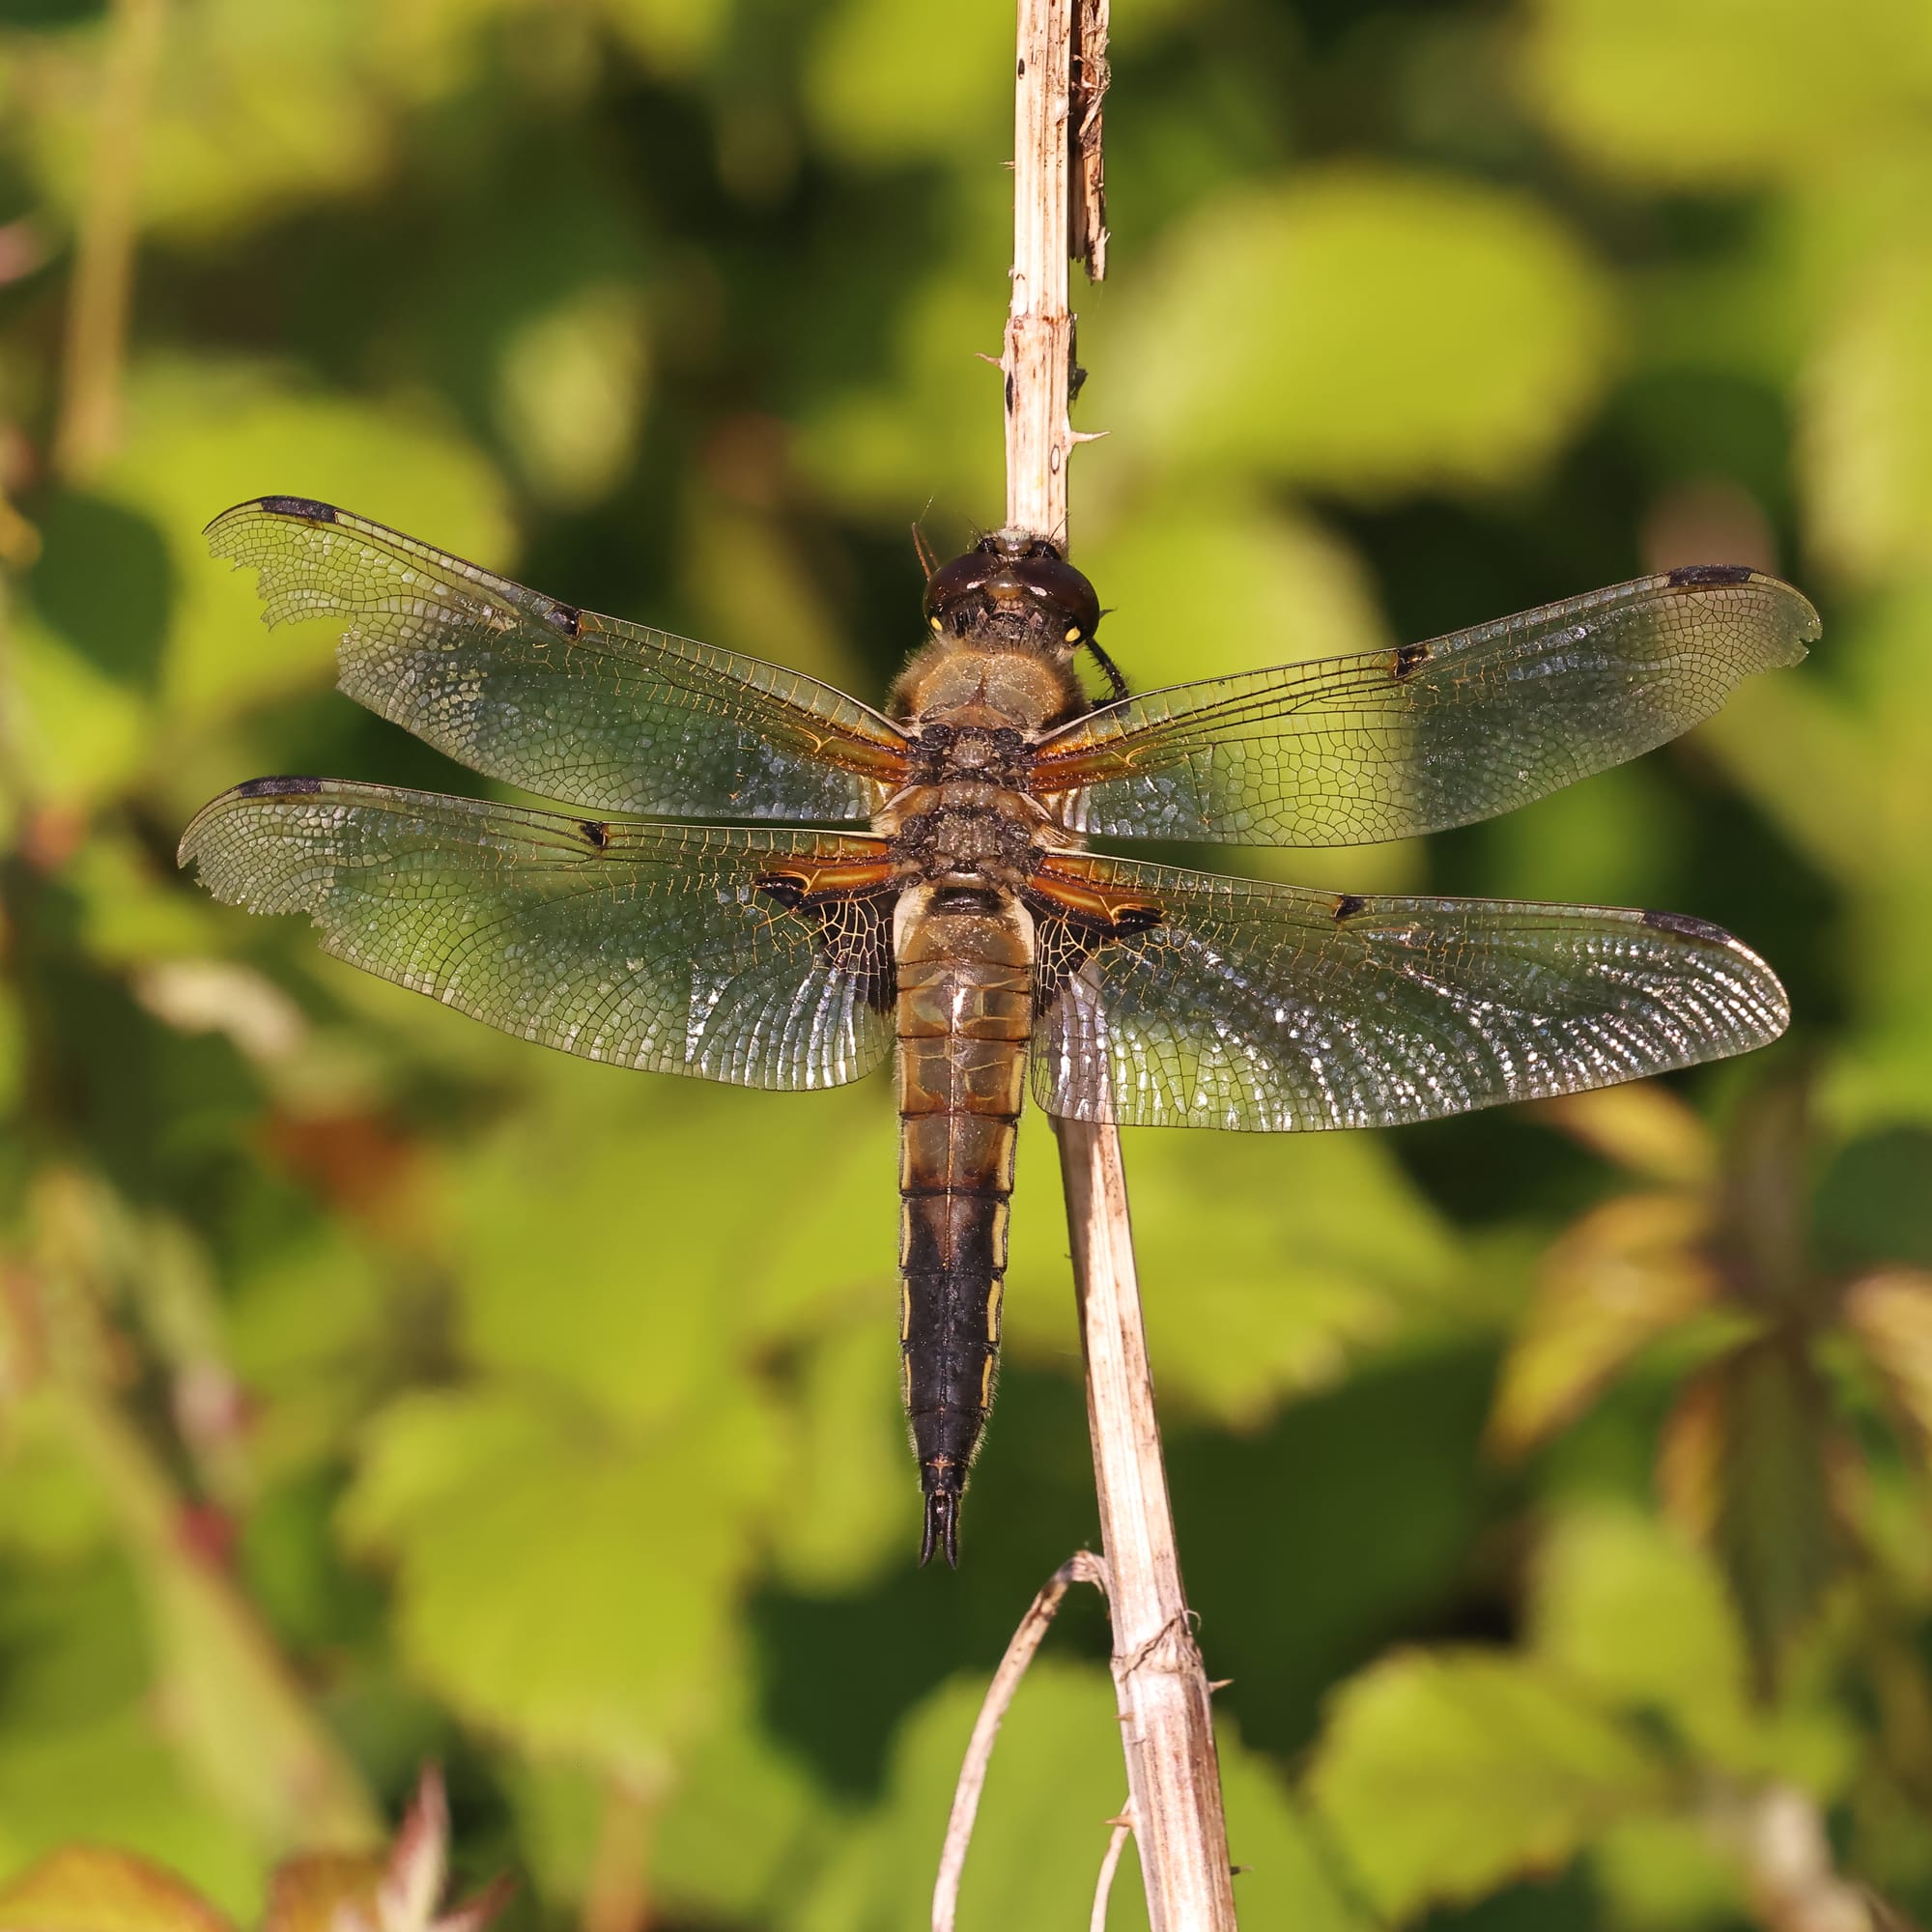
(975, 712)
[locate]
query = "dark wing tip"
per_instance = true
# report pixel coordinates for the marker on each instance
(304, 509)
(273, 787)
(1804, 625)
(1777, 1002)
(1688, 574)
(1690, 929)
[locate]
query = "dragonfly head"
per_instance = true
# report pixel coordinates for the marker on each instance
(1013, 588)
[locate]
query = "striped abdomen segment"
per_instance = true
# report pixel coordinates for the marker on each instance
(965, 1014)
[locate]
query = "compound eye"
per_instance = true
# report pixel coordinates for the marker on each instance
(1062, 590)
(951, 582)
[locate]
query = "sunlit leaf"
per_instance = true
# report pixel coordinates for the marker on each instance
(571, 389)
(1627, 86)
(1626, 1274)
(672, 36)
(1445, 1773)
(280, 84)
(1643, 1126)
(885, 85)
(1891, 1314)
(1284, 588)
(558, 1581)
(1868, 424)
(91, 1888)
(1323, 370)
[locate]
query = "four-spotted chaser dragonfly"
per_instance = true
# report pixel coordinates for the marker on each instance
(964, 926)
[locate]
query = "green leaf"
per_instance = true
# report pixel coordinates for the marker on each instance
(204, 435)
(1445, 1773)
(284, 85)
(677, 1277)
(1667, 1874)
(1622, 1605)
(560, 1581)
(1322, 370)
(850, 1484)
(116, 1781)
(1285, 587)
(1267, 1262)
(1056, 1777)
(1750, 1462)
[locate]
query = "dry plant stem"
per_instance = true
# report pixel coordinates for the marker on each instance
(1788, 1868)
(97, 317)
(1167, 1728)
(1039, 355)
(1103, 1886)
(1085, 1568)
(1159, 1680)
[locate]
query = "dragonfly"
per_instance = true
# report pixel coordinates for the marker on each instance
(762, 880)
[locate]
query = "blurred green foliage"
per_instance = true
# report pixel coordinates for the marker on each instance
(374, 1388)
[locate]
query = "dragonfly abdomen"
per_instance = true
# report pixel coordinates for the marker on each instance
(965, 1015)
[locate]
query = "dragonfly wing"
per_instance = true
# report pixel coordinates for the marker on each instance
(759, 958)
(1230, 1003)
(561, 701)
(1390, 744)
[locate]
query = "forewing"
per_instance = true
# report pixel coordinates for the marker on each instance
(561, 701)
(1389, 744)
(1267, 1007)
(648, 946)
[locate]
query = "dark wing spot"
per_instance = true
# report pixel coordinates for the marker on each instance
(304, 507)
(1690, 929)
(566, 617)
(595, 832)
(277, 787)
(1689, 576)
(1131, 919)
(782, 887)
(1410, 660)
(1348, 905)
(1012, 394)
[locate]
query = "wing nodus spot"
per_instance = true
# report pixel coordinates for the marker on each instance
(567, 617)
(1348, 905)
(596, 833)
(1409, 659)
